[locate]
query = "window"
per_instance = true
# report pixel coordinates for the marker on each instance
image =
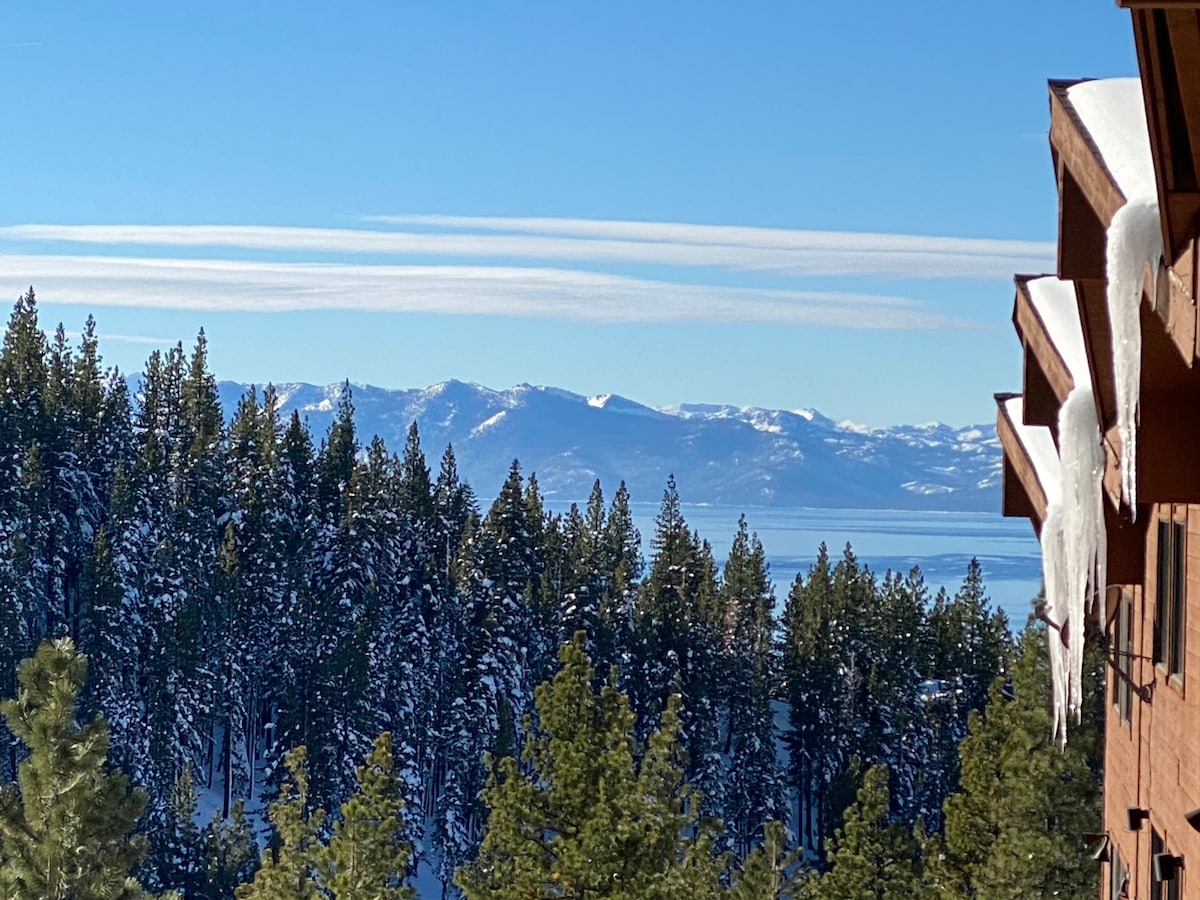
(1169, 596)
(1122, 698)
(1119, 878)
(1162, 890)
(1156, 847)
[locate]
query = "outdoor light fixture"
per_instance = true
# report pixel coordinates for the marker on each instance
(1166, 866)
(1096, 846)
(1137, 816)
(1193, 819)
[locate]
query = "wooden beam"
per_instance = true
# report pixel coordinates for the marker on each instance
(1126, 546)
(1078, 155)
(1176, 310)
(1167, 436)
(1054, 377)
(1097, 340)
(1183, 32)
(1159, 4)
(1168, 44)
(1023, 494)
(1041, 405)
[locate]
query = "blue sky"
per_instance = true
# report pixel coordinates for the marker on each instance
(776, 204)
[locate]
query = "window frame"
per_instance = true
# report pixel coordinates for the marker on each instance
(1170, 598)
(1122, 696)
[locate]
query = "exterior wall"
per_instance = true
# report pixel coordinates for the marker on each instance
(1153, 761)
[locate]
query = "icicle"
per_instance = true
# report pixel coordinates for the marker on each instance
(1134, 241)
(1054, 575)
(1084, 536)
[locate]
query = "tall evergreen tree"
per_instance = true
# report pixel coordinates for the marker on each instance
(66, 828)
(1013, 827)
(287, 862)
(677, 637)
(769, 871)
(869, 857)
(581, 816)
(367, 855)
(754, 794)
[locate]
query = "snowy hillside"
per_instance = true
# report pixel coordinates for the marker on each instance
(719, 454)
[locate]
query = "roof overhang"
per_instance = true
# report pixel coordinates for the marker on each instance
(1167, 37)
(1024, 493)
(1159, 4)
(1046, 316)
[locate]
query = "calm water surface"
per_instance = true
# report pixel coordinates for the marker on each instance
(941, 543)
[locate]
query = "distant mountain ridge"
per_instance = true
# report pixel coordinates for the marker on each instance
(746, 457)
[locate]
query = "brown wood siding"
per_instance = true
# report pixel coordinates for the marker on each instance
(1153, 761)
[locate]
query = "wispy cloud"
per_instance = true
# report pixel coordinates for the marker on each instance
(780, 252)
(272, 287)
(148, 340)
(16, 44)
(108, 337)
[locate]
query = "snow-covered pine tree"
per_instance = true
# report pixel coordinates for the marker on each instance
(897, 726)
(351, 546)
(810, 676)
(472, 695)
(623, 567)
(754, 789)
(677, 624)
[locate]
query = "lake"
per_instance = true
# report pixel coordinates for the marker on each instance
(941, 543)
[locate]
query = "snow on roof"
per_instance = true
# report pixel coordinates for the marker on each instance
(1039, 444)
(1054, 300)
(1113, 112)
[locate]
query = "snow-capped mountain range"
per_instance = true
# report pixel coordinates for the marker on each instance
(719, 454)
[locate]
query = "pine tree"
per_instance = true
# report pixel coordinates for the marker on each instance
(868, 857)
(286, 870)
(767, 873)
(230, 854)
(66, 828)
(366, 856)
(580, 816)
(677, 636)
(809, 658)
(1013, 827)
(754, 794)
(181, 846)
(623, 567)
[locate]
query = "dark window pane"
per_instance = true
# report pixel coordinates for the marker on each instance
(1178, 595)
(1126, 618)
(1162, 588)
(1156, 846)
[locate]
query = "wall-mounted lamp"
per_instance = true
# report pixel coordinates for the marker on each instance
(1096, 846)
(1137, 816)
(1166, 866)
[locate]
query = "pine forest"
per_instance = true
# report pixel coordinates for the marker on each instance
(243, 659)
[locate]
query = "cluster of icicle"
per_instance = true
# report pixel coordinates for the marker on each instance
(1134, 241)
(1074, 549)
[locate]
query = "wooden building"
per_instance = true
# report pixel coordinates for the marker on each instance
(1150, 608)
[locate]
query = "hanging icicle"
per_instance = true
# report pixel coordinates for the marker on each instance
(1084, 540)
(1134, 241)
